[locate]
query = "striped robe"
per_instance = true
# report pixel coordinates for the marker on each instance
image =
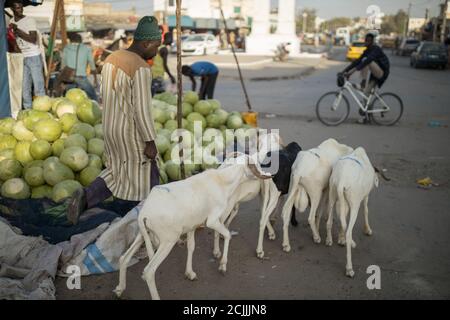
(127, 125)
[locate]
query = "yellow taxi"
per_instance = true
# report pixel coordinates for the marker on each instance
(356, 50)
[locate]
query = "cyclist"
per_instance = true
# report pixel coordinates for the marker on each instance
(374, 60)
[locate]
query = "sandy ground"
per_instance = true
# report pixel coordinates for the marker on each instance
(410, 242)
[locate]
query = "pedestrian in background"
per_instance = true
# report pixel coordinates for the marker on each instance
(78, 57)
(208, 72)
(25, 31)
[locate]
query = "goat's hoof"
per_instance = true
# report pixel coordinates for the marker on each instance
(272, 236)
(350, 273)
(329, 242)
(260, 254)
(317, 239)
(353, 244)
(286, 248)
(223, 268)
(341, 242)
(118, 291)
(191, 275)
(217, 254)
(368, 232)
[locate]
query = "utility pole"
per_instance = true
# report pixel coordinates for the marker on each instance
(426, 14)
(405, 30)
(444, 20)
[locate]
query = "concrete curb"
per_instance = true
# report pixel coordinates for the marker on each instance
(306, 72)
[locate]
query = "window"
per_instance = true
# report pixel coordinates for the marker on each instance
(237, 10)
(171, 3)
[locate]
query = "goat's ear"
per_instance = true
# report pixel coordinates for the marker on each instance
(376, 180)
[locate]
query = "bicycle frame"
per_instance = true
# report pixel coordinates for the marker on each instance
(365, 108)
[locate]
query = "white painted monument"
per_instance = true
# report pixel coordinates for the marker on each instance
(261, 41)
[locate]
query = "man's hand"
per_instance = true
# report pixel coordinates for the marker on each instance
(349, 73)
(150, 150)
(14, 27)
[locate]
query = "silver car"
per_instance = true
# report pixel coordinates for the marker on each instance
(200, 44)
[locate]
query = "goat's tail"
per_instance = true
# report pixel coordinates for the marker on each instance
(342, 200)
(145, 233)
(300, 200)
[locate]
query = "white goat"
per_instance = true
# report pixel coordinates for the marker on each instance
(249, 190)
(351, 181)
(309, 178)
(180, 207)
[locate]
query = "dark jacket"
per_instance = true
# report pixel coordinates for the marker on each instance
(376, 54)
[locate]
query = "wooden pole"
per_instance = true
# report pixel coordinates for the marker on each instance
(247, 100)
(51, 43)
(179, 86)
(62, 23)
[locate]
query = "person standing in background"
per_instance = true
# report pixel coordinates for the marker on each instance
(26, 34)
(160, 68)
(78, 56)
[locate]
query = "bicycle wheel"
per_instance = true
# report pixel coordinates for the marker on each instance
(330, 114)
(391, 115)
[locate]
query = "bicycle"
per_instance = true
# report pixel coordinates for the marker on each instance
(373, 106)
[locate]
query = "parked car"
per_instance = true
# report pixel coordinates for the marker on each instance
(173, 46)
(407, 47)
(355, 50)
(430, 54)
(200, 44)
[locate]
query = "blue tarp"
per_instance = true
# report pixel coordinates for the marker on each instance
(5, 109)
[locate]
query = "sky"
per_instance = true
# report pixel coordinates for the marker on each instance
(325, 8)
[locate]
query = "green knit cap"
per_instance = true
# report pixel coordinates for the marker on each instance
(147, 29)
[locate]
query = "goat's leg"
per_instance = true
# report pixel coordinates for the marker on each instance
(367, 228)
(146, 235)
(163, 251)
(315, 197)
(270, 230)
(323, 205)
(124, 261)
(354, 208)
(264, 220)
(286, 214)
(219, 227)
(342, 211)
(331, 202)
(232, 215)
(190, 274)
(216, 251)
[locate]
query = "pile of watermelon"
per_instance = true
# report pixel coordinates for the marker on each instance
(57, 146)
(52, 149)
(207, 131)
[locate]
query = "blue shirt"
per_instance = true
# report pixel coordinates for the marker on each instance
(203, 68)
(84, 58)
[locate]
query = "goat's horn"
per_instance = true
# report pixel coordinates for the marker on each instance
(381, 173)
(256, 172)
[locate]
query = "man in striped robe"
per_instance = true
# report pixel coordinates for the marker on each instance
(128, 126)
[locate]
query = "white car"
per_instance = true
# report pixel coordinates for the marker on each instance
(200, 44)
